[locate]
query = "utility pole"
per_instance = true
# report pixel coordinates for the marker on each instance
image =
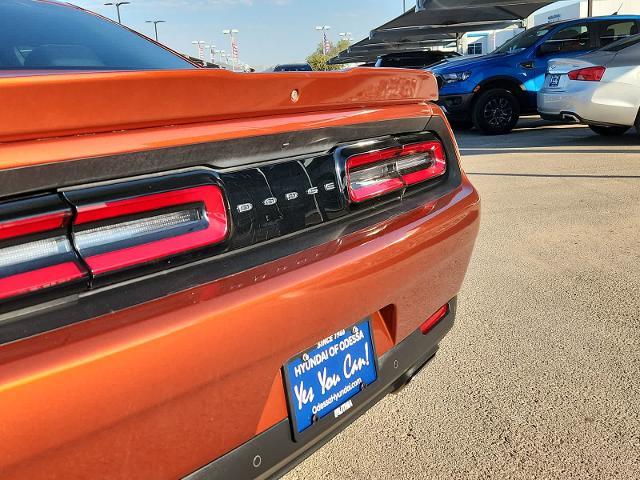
(589, 8)
(404, 6)
(118, 5)
(234, 45)
(155, 25)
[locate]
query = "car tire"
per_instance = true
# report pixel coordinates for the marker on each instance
(609, 131)
(496, 111)
(461, 124)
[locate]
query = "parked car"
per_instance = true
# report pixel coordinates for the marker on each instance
(293, 67)
(600, 89)
(206, 274)
(416, 59)
(490, 92)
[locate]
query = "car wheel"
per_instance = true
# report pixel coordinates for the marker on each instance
(461, 124)
(496, 111)
(609, 131)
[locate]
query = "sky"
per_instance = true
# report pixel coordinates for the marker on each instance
(271, 31)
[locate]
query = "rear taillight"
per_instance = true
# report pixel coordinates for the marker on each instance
(35, 251)
(118, 234)
(377, 173)
(589, 74)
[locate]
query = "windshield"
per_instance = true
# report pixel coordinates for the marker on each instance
(524, 40)
(622, 44)
(47, 36)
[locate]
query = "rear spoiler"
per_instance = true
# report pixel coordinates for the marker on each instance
(45, 106)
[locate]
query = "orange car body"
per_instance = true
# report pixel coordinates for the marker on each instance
(155, 377)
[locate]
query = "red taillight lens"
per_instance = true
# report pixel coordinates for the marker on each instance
(119, 234)
(590, 74)
(433, 320)
(35, 252)
(377, 173)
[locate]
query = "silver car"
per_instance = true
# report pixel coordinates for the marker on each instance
(601, 89)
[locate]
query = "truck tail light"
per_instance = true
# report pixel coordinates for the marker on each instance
(377, 173)
(114, 235)
(35, 251)
(589, 74)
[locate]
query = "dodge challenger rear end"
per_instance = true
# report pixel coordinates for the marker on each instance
(206, 274)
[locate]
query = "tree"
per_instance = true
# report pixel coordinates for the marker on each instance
(318, 60)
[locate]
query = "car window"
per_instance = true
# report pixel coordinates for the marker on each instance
(613, 31)
(48, 36)
(407, 62)
(622, 44)
(524, 40)
(572, 38)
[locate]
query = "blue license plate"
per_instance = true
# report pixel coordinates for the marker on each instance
(323, 380)
(554, 80)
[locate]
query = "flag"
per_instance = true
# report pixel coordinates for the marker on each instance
(234, 49)
(326, 46)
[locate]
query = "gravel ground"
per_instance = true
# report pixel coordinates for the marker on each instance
(540, 377)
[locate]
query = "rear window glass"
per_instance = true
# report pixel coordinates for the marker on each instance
(37, 35)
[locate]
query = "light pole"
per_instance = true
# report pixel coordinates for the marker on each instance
(212, 53)
(222, 54)
(323, 34)
(346, 36)
(234, 45)
(155, 25)
(200, 46)
(118, 5)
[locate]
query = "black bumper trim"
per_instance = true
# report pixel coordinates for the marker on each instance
(457, 107)
(274, 452)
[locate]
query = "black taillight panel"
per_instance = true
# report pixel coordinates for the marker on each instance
(88, 236)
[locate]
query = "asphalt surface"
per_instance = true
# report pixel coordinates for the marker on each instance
(540, 377)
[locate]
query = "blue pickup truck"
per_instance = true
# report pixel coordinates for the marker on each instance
(490, 92)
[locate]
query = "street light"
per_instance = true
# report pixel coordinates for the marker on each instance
(234, 45)
(200, 46)
(155, 25)
(323, 29)
(212, 52)
(346, 36)
(118, 5)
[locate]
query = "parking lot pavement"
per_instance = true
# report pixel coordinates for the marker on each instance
(540, 377)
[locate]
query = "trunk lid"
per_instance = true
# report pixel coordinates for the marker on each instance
(82, 103)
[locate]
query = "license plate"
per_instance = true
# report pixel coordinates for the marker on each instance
(554, 80)
(323, 380)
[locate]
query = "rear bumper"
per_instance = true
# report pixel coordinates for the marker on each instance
(158, 376)
(457, 107)
(273, 453)
(592, 103)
